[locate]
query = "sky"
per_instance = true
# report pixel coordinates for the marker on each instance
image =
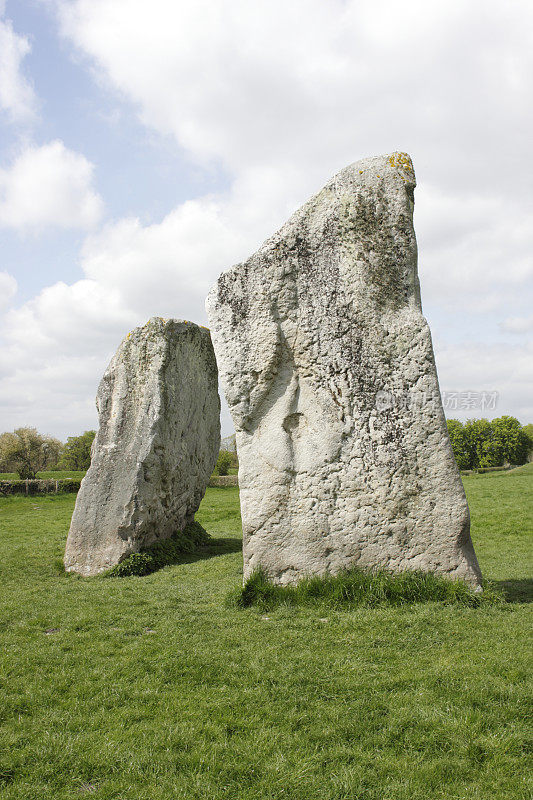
(146, 147)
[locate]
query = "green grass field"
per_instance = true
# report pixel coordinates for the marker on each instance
(156, 688)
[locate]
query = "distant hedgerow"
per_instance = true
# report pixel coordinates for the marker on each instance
(224, 462)
(356, 587)
(160, 554)
(39, 486)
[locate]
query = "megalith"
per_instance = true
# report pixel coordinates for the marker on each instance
(157, 444)
(327, 365)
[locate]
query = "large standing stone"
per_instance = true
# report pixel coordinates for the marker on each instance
(328, 369)
(156, 447)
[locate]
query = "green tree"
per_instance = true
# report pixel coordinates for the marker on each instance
(77, 451)
(478, 433)
(224, 461)
(26, 452)
(528, 430)
(509, 442)
(459, 442)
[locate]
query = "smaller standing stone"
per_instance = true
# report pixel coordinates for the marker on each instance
(157, 444)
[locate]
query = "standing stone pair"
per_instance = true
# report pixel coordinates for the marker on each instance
(328, 369)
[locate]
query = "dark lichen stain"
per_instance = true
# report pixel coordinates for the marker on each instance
(229, 294)
(304, 268)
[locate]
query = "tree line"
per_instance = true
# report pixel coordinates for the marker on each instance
(27, 452)
(479, 443)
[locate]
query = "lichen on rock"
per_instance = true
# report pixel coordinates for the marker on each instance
(157, 444)
(308, 332)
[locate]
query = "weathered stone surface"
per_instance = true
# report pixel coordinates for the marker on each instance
(328, 369)
(156, 446)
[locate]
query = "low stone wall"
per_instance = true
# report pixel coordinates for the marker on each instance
(39, 486)
(223, 480)
(483, 470)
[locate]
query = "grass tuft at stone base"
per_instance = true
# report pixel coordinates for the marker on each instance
(356, 587)
(160, 554)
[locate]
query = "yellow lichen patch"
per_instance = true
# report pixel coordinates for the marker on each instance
(402, 161)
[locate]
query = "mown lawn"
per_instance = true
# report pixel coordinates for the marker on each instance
(155, 688)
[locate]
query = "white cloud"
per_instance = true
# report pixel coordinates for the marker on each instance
(49, 402)
(475, 251)
(308, 81)
(8, 289)
(284, 94)
(479, 366)
(518, 324)
(17, 98)
(77, 319)
(165, 268)
(49, 186)
(281, 95)
(57, 345)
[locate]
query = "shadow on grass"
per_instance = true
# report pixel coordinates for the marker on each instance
(184, 547)
(216, 547)
(516, 590)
